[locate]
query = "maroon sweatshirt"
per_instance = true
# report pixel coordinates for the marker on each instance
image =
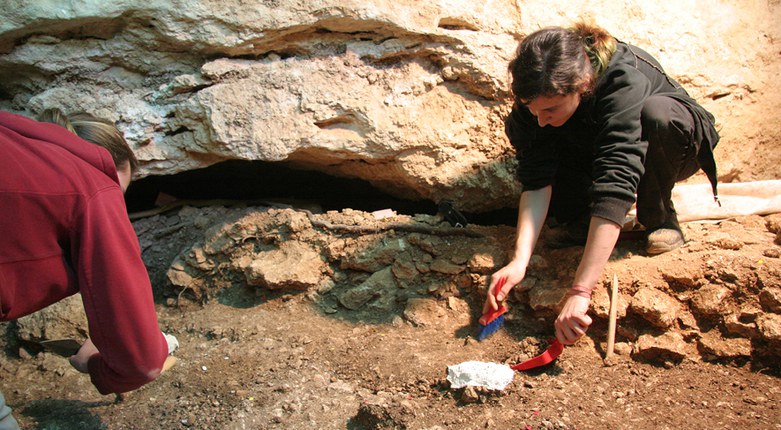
(64, 229)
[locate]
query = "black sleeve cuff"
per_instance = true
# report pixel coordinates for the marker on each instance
(611, 209)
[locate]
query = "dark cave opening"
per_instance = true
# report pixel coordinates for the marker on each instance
(258, 181)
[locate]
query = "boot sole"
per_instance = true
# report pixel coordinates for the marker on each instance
(661, 248)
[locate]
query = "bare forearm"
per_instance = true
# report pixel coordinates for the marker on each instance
(532, 210)
(602, 237)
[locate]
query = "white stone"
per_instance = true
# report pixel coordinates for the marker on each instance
(493, 376)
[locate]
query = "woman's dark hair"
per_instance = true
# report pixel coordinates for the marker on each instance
(558, 61)
(96, 130)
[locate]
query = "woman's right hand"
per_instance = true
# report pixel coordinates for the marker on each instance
(81, 358)
(513, 274)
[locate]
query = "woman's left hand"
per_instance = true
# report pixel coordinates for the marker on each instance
(572, 322)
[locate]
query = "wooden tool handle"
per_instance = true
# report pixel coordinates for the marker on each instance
(611, 327)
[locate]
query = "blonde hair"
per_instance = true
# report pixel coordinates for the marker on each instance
(598, 43)
(96, 130)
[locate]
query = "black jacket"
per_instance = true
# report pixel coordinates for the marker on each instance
(605, 130)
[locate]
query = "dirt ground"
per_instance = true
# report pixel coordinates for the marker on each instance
(260, 358)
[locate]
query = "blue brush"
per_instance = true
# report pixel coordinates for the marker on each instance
(492, 320)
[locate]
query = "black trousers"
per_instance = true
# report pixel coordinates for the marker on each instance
(668, 127)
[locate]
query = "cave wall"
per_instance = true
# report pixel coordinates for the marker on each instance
(407, 95)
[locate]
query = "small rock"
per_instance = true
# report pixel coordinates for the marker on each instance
(727, 243)
(610, 361)
(708, 300)
(735, 326)
(655, 307)
(686, 276)
(769, 326)
(622, 348)
(546, 295)
(770, 299)
(62, 320)
(665, 348)
(380, 283)
(773, 223)
(470, 395)
(714, 344)
(600, 303)
(24, 355)
(423, 312)
(293, 265)
(772, 253)
(442, 265)
(404, 269)
(482, 263)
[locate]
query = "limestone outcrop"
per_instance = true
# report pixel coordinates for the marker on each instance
(409, 96)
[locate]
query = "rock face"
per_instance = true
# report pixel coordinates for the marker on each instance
(406, 95)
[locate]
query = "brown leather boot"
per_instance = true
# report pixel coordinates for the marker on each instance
(664, 240)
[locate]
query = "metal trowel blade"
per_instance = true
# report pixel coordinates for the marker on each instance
(63, 347)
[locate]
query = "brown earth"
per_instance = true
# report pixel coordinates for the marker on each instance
(289, 355)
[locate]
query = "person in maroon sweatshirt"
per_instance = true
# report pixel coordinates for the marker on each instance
(65, 230)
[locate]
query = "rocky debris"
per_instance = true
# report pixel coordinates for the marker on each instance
(708, 300)
(423, 312)
(680, 276)
(724, 241)
(700, 303)
(714, 346)
(728, 295)
(669, 347)
(381, 413)
(380, 286)
(773, 223)
(308, 268)
(600, 303)
(770, 298)
(656, 307)
(364, 266)
(547, 294)
(62, 320)
(363, 254)
(741, 325)
(769, 326)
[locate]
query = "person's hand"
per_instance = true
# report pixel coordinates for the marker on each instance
(513, 275)
(572, 322)
(80, 359)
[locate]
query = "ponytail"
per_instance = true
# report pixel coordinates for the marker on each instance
(598, 43)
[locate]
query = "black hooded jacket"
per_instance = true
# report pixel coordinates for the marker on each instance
(606, 131)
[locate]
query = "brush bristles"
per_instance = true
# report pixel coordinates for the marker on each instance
(490, 328)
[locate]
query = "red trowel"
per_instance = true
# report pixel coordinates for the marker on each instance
(550, 354)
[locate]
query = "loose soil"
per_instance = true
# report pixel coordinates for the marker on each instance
(252, 358)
